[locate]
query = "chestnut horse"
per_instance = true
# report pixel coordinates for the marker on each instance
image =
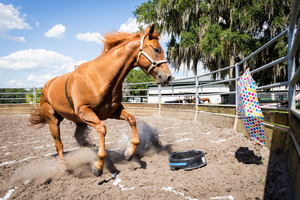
(205, 99)
(93, 91)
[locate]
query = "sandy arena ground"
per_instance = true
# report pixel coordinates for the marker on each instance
(237, 168)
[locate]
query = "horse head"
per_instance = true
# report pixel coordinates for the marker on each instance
(151, 58)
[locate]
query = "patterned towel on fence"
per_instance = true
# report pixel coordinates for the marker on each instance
(248, 108)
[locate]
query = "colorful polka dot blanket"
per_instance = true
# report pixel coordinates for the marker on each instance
(248, 108)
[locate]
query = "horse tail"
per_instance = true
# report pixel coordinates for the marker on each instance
(36, 117)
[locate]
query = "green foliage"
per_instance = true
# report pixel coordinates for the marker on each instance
(281, 47)
(238, 37)
(30, 96)
(189, 37)
(220, 33)
(13, 93)
(204, 21)
(136, 76)
(147, 12)
(183, 4)
(211, 42)
(203, 7)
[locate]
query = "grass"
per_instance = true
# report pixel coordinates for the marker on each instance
(279, 111)
(261, 162)
(262, 179)
(277, 125)
(282, 142)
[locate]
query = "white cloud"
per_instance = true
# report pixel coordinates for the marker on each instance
(80, 62)
(37, 24)
(41, 78)
(56, 31)
(89, 37)
(37, 66)
(14, 83)
(36, 59)
(10, 19)
(131, 25)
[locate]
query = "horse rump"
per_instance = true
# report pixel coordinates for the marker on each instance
(36, 117)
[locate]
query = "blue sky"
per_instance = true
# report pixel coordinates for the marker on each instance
(40, 40)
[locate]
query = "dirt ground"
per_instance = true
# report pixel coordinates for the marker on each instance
(237, 168)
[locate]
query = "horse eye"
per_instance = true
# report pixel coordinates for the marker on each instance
(157, 50)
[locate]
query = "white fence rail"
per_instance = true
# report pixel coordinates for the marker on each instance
(26, 96)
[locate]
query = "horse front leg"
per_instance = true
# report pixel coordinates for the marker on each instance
(121, 113)
(90, 118)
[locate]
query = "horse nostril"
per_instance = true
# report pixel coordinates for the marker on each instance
(159, 77)
(169, 79)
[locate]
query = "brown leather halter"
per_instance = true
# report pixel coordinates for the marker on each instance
(153, 63)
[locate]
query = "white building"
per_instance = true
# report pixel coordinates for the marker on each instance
(184, 90)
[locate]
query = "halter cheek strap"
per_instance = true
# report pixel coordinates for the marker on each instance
(153, 63)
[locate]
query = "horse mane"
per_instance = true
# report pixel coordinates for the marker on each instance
(115, 38)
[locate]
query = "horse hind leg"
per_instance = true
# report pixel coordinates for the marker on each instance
(79, 135)
(54, 119)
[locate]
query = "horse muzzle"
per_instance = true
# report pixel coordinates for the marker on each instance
(164, 80)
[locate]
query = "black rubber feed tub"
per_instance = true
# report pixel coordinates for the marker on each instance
(187, 160)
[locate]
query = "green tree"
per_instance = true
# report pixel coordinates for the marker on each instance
(220, 33)
(30, 96)
(12, 94)
(136, 76)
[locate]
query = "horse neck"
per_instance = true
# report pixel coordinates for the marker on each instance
(118, 64)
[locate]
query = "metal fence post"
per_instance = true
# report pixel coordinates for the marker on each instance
(196, 97)
(237, 73)
(34, 96)
(148, 91)
(291, 70)
(159, 99)
(291, 92)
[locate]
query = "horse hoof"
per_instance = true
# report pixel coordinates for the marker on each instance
(128, 156)
(96, 172)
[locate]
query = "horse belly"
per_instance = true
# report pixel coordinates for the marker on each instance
(58, 101)
(107, 110)
(65, 112)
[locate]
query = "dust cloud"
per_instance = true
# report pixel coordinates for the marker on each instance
(79, 162)
(38, 172)
(149, 140)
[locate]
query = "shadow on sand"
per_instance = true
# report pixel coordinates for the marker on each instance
(277, 180)
(246, 156)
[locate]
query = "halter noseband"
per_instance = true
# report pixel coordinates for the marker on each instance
(153, 63)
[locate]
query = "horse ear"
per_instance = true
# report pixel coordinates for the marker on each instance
(151, 31)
